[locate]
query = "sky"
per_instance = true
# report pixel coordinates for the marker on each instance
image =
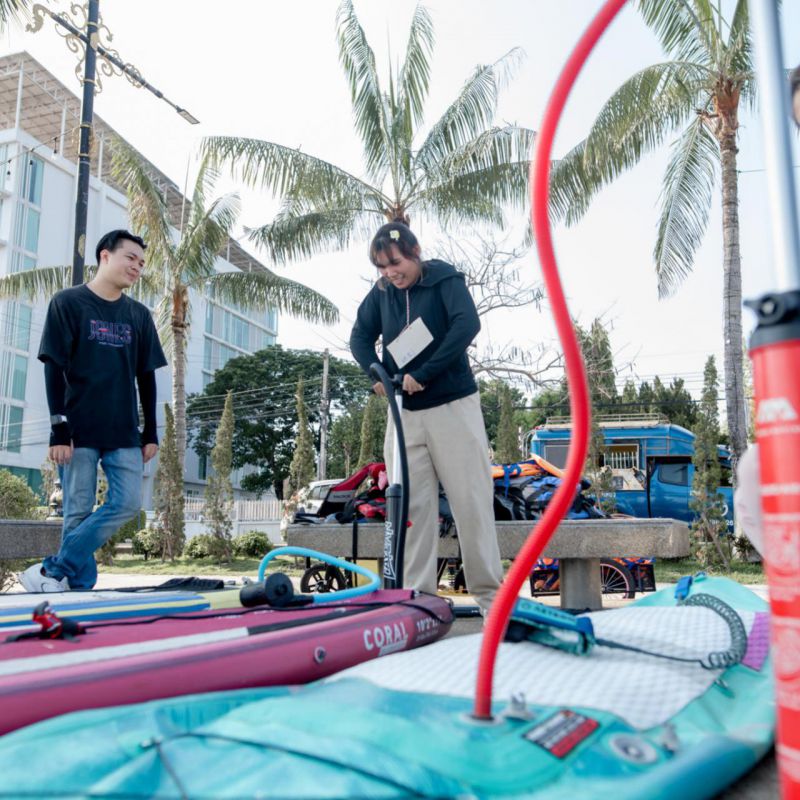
(269, 69)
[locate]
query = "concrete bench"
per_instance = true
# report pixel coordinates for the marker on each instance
(578, 544)
(26, 538)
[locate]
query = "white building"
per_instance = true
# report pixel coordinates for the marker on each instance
(38, 176)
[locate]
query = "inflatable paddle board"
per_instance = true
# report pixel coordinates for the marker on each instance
(625, 723)
(16, 610)
(132, 661)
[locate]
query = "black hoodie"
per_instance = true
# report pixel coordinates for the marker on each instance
(443, 301)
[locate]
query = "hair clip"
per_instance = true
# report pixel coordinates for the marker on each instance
(395, 234)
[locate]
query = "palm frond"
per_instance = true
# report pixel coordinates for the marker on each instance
(637, 118)
(572, 186)
(469, 114)
(207, 235)
(685, 204)
(460, 201)
(37, 283)
(265, 289)
(162, 317)
(358, 62)
(300, 234)
(415, 74)
(643, 111)
(687, 33)
(739, 54)
(147, 205)
(204, 184)
(494, 166)
(282, 170)
(11, 10)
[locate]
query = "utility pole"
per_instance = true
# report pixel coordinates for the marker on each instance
(85, 147)
(323, 418)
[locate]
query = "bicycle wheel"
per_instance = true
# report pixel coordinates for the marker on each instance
(616, 580)
(322, 577)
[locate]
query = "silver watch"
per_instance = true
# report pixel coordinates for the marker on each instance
(57, 419)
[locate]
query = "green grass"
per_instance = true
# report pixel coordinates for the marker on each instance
(136, 565)
(669, 570)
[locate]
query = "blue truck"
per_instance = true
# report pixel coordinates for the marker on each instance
(650, 461)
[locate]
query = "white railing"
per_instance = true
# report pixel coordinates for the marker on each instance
(621, 460)
(243, 510)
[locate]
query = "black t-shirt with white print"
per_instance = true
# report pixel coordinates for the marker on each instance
(101, 345)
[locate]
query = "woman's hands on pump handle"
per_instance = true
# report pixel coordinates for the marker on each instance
(409, 385)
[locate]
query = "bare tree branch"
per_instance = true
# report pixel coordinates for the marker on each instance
(494, 279)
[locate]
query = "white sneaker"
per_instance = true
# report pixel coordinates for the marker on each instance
(35, 581)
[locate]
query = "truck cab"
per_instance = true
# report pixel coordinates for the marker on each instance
(650, 461)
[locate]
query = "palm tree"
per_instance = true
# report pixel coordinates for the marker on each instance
(463, 170)
(697, 96)
(175, 266)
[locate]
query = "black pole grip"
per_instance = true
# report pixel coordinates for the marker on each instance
(397, 522)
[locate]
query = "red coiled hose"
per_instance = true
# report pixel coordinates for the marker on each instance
(576, 375)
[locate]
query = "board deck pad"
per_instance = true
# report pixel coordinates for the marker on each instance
(641, 689)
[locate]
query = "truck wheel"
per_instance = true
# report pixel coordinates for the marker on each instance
(322, 578)
(616, 580)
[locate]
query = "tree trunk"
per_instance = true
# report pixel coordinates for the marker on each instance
(179, 386)
(732, 292)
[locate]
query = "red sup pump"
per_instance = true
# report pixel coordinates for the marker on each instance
(775, 353)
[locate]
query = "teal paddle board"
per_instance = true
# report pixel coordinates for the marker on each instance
(661, 712)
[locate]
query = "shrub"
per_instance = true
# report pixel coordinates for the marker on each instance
(17, 501)
(252, 544)
(105, 554)
(205, 545)
(148, 542)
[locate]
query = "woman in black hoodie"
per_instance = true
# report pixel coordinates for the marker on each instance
(429, 303)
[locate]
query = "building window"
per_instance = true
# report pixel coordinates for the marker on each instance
(202, 467)
(15, 325)
(10, 428)
(25, 245)
(19, 376)
(34, 174)
(31, 235)
(13, 374)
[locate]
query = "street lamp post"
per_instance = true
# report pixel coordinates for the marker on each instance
(112, 64)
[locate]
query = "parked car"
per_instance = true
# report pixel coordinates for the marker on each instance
(317, 492)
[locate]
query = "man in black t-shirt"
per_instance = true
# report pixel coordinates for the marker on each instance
(97, 345)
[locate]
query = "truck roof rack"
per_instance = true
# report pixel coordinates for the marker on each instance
(612, 421)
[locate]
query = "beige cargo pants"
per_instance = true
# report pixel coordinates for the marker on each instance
(448, 443)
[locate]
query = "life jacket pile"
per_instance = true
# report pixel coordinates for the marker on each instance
(521, 492)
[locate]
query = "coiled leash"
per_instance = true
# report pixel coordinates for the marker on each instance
(552, 627)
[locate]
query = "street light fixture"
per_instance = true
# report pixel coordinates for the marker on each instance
(187, 116)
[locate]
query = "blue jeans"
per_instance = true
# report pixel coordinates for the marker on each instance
(84, 530)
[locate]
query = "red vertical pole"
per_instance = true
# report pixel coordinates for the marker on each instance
(775, 352)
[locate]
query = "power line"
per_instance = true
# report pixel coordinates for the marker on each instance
(261, 389)
(27, 151)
